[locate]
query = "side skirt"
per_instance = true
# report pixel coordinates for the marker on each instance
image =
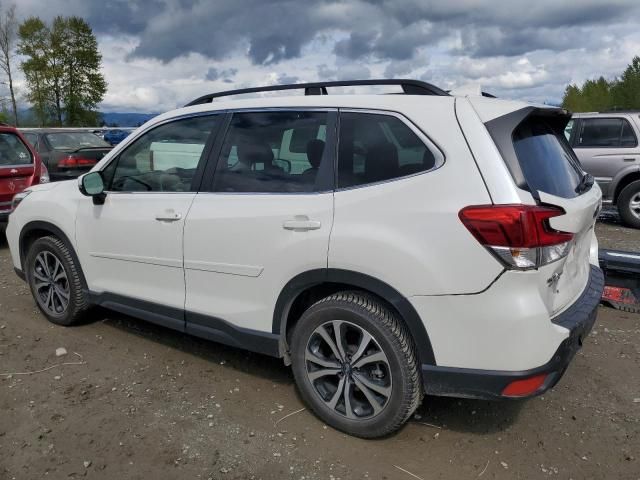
(203, 326)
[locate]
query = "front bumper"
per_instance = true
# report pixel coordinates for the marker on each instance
(489, 384)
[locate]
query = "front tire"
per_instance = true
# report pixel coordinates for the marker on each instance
(629, 204)
(355, 365)
(56, 281)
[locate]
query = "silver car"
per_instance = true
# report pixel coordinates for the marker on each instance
(607, 146)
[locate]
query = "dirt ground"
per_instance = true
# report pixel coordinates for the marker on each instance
(149, 403)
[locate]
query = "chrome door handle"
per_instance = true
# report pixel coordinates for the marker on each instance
(168, 217)
(301, 224)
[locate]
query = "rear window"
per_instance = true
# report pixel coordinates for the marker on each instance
(546, 159)
(74, 140)
(13, 151)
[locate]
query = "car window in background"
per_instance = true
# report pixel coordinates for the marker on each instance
(74, 140)
(32, 138)
(546, 159)
(377, 147)
(606, 132)
(569, 129)
(13, 151)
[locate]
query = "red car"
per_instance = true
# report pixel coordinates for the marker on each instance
(20, 168)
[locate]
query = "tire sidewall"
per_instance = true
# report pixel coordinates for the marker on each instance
(623, 204)
(336, 310)
(49, 245)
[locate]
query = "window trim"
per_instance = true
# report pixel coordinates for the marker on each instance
(430, 144)
(208, 180)
(584, 120)
(196, 182)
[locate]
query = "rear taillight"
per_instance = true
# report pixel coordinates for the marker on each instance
(44, 174)
(519, 235)
(75, 161)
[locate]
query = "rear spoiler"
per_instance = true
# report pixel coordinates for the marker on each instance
(622, 279)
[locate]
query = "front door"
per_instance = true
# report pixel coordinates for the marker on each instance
(131, 246)
(264, 220)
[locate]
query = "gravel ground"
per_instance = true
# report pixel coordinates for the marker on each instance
(141, 402)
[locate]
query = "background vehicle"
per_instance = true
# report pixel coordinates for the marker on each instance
(116, 135)
(417, 243)
(607, 146)
(66, 153)
(20, 167)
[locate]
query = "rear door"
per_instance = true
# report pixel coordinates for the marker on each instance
(606, 145)
(258, 224)
(16, 168)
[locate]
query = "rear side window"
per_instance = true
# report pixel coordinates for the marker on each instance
(276, 152)
(606, 133)
(546, 159)
(378, 147)
(13, 151)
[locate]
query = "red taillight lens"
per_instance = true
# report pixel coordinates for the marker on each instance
(526, 387)
(520, 235)
(74, 161)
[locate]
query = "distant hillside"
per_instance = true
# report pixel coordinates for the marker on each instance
(120, 119)
(126, 119)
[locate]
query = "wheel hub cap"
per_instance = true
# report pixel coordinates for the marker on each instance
(348, 370)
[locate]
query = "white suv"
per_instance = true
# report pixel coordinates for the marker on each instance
(385, 246)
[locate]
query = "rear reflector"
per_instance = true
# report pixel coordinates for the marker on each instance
(524, 388)
(74, 161)
(519, 235)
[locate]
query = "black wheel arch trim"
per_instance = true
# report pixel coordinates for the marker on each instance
(53, 230)
(302, 282)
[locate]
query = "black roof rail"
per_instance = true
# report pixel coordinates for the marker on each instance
(409, 87)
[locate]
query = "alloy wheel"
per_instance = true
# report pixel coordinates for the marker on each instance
(348, 370)
(634, 205)
(50, 283)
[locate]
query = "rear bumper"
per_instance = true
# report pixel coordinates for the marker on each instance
(489, 384)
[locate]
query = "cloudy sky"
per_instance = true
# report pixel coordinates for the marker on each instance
(159, 54)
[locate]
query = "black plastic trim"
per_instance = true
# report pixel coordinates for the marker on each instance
(489, 384)
(312, 278)
(203, 326)
(20, 274)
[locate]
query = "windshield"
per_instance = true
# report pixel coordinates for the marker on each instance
(13, 151)
(74, 140)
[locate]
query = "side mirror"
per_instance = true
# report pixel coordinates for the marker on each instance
(92, 186)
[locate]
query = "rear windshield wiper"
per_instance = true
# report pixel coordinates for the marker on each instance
(586, 182)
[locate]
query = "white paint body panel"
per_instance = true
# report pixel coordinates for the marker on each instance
(238, 256)
(123, 249)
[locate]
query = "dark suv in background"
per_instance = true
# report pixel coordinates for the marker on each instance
(607, 146)
(67, 153)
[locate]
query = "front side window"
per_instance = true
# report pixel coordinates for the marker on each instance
(377, 147)
(13, 151)
(275, 152)
(162, 160)
(606, 133)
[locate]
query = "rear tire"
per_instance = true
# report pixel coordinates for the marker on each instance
(56, 281)
(368, 383)
(629, 204)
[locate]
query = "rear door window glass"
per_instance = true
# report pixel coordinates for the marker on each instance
(275, 152)
(377, 147)
(606, 133)
(546, 159)
(13, 151)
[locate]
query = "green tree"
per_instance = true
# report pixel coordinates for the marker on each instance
(62, 68)
(626, 90)
(8, 28)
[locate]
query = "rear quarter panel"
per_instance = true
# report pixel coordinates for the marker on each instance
(406, 232)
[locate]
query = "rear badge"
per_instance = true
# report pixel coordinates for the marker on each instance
(13, 170)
